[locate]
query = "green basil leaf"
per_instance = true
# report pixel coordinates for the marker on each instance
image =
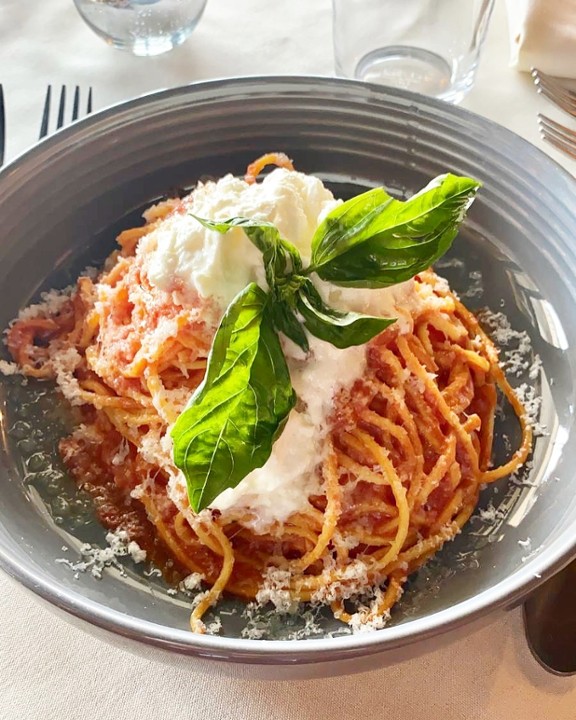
(282, 262)
(241, 407)
(348, 224)
(342, 329)
(280, 256)
(374, 240)
(285, 321)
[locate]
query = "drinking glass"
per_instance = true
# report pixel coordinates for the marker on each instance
(428, 46)
(144, 27)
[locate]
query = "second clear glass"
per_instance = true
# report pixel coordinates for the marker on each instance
(428, 46)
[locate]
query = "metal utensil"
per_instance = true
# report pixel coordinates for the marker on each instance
(550, 622)
(555, 91)
(558, 135)
(61, 118)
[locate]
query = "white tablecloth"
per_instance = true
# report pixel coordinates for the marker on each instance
(52, 670)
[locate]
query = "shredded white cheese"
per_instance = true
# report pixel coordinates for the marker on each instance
(64, 364)
(192, 582)
(9, 368)
(51, 303)
(96, 559)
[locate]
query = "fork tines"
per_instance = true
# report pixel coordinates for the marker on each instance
(61, 117)
(557, 135)
(555, 91)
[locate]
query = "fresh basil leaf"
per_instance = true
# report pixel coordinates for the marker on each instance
(282, 262)
(342, 329)
(280, 256)
(285, 321)
(374, 240)
(348, 224)
(241, 407)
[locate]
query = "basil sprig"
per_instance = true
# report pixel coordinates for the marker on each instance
(341, 329)
(243, 403)
(374, 240)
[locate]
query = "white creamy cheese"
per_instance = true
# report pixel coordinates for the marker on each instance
(219, 266)
(394, 302)
(184, 256)
(282, 486)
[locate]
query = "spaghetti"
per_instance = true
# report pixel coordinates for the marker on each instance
(409, 448)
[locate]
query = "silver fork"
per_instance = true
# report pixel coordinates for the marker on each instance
(555, 91)
(61, 118)
(557, 135)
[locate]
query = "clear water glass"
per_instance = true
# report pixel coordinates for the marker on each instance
(427, 46)
(143, 27)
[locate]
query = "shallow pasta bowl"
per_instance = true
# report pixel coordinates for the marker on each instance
(61, 205)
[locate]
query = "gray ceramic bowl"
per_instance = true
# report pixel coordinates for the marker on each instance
(60, 206)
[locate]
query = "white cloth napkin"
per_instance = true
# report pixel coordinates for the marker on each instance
(543, 35)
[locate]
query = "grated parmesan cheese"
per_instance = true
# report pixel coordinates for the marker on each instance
(490, 514)
(64, 364)
(9, 368)
(532, 403)
(519, 358)
(51, 303)
(274, 589)
(192, 581)
(121, 453)
(96, 559)
(214, 627)
(300, 626)
(360, 624)
(475, 287)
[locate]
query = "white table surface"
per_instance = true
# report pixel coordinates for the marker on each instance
(50, 669)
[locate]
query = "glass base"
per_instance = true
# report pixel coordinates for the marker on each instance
(149, 46)
(142, 27)
(412, 68)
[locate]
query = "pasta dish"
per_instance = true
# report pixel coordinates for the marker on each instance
(372, 445)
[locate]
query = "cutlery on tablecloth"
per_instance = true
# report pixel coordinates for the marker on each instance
(558, 93)
(555, 91)
(550, 612)
(61, 117)
(558, 135)
(550, 622)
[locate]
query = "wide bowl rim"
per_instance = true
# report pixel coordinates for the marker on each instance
(524, 580)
